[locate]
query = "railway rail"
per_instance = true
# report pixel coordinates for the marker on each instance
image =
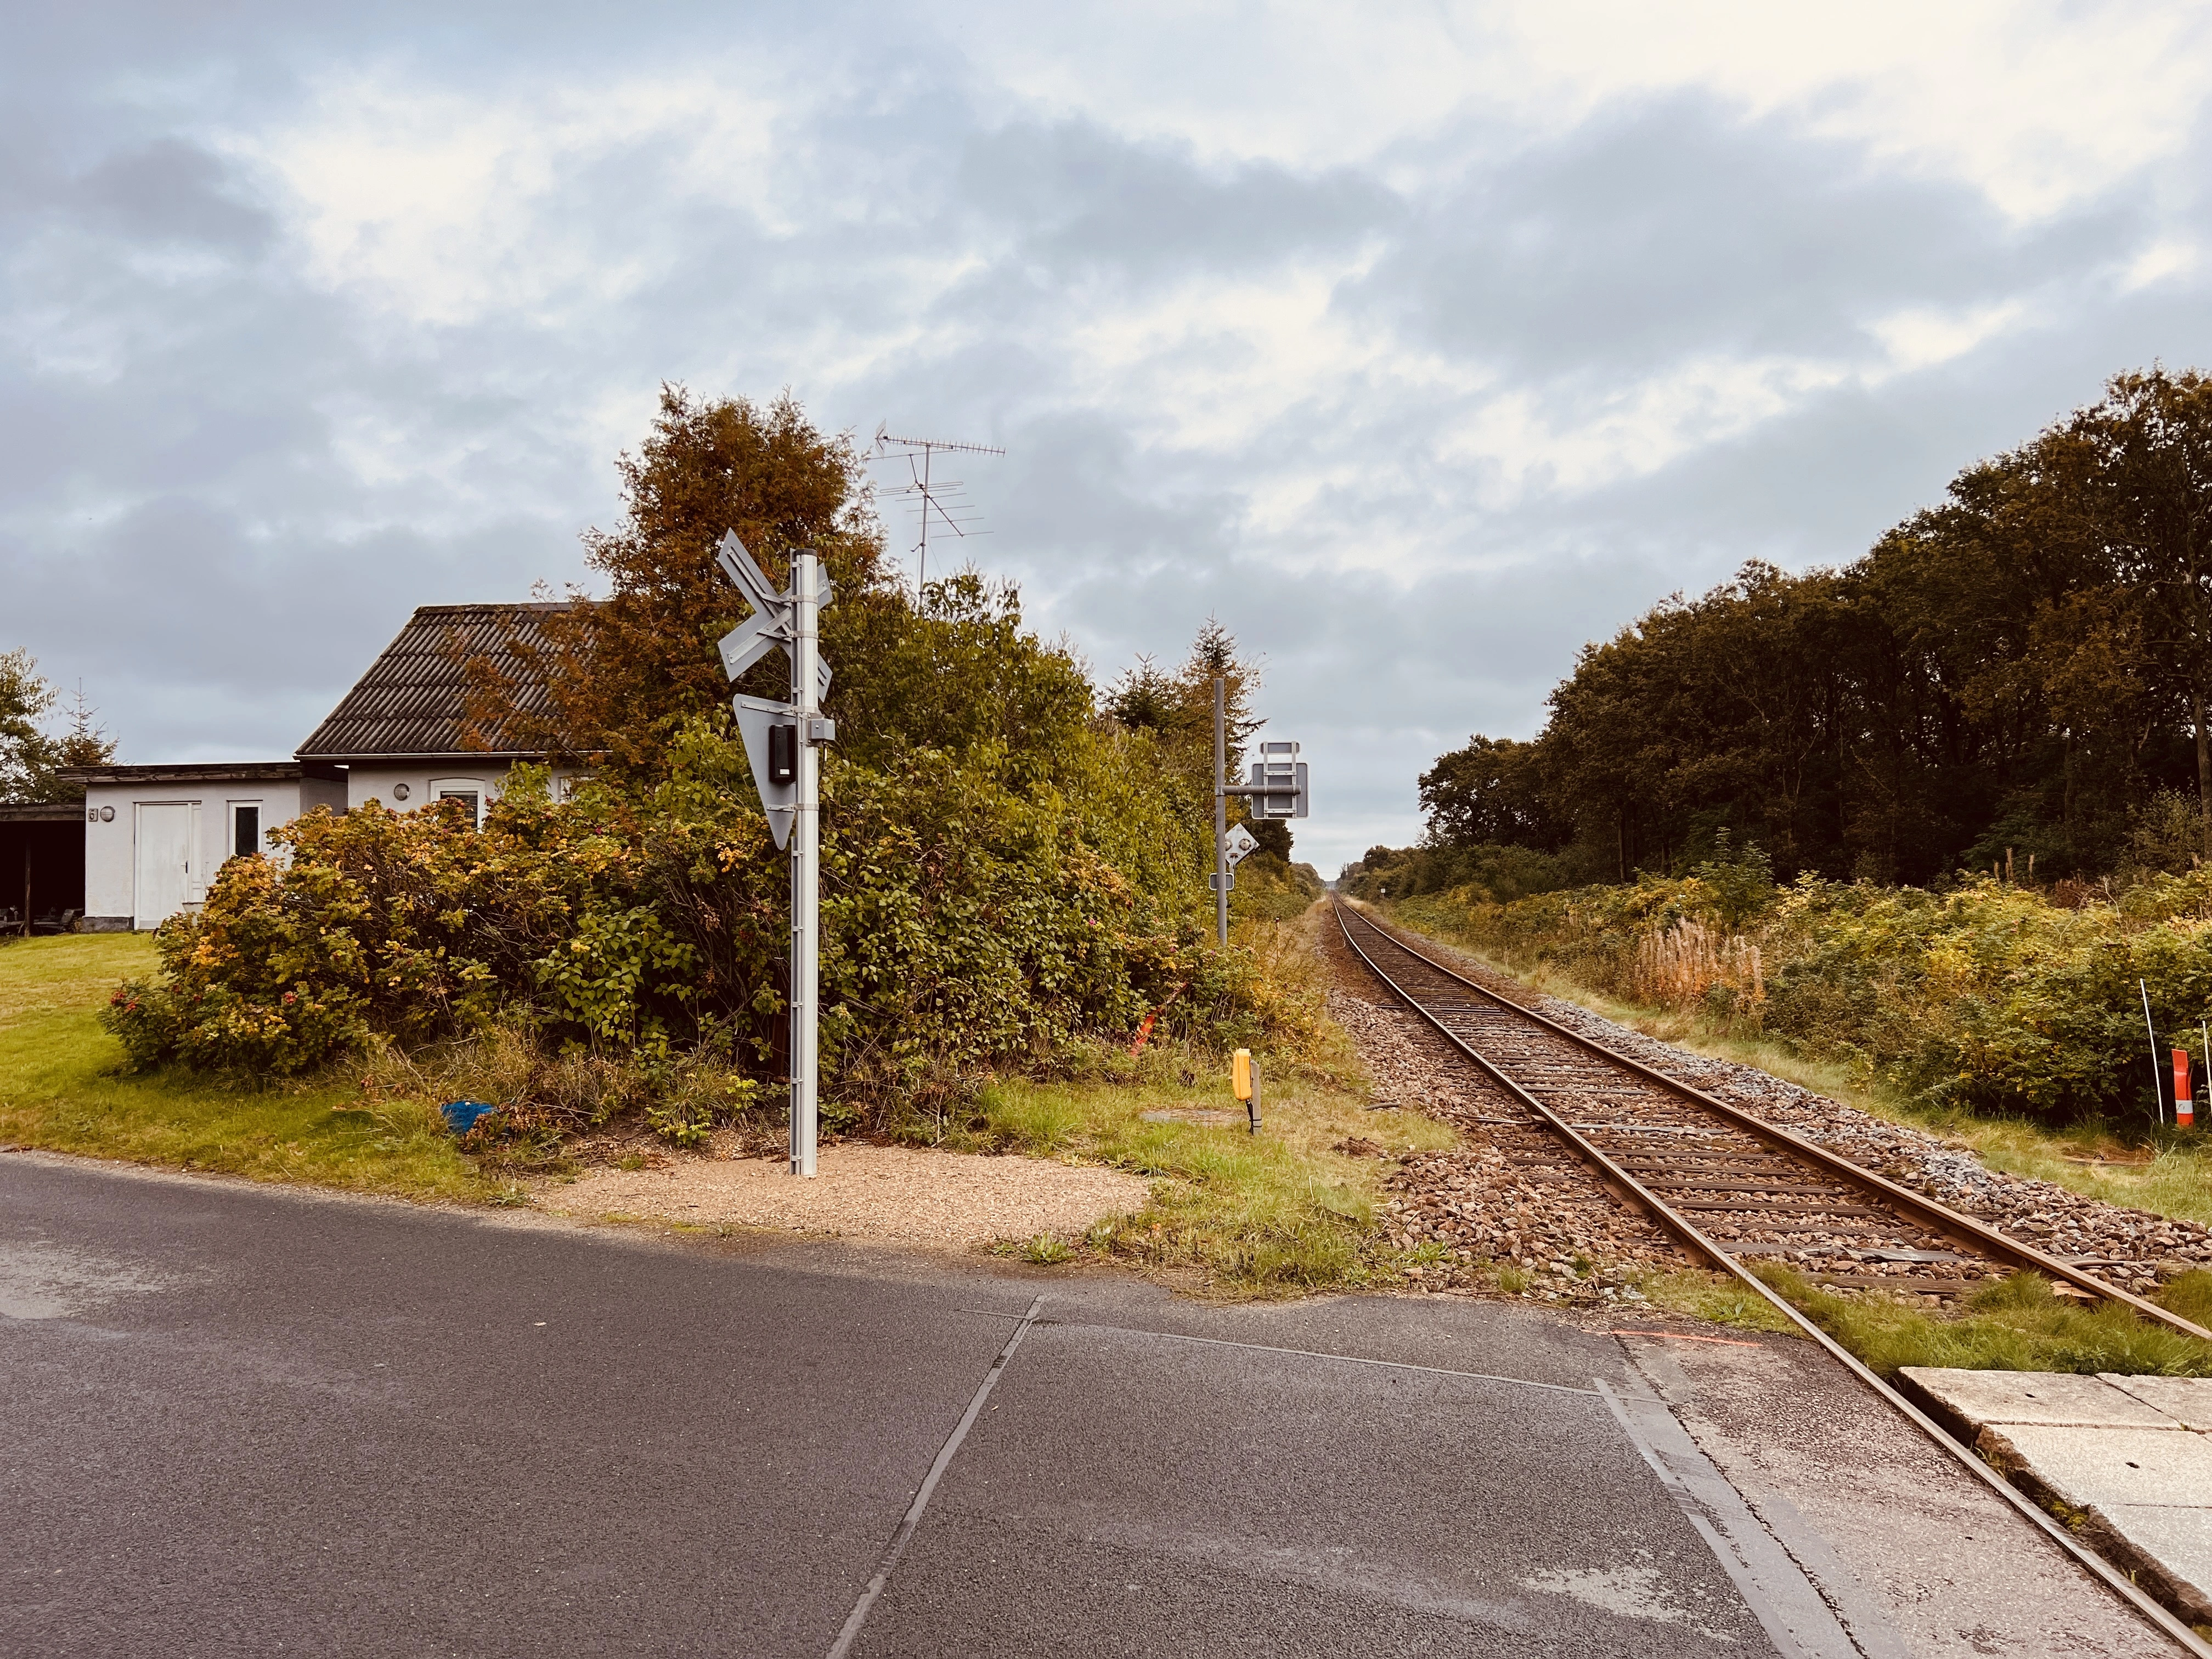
(1734, 1188)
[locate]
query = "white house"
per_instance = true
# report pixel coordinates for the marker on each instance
(154, 836)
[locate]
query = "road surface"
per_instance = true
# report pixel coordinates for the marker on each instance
(248, 1421)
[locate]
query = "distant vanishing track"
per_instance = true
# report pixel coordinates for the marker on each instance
(1729, 1185)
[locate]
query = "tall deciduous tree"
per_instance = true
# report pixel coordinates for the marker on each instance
(629, 668)
(951, 669)
(2151, 439)
(1490, 793)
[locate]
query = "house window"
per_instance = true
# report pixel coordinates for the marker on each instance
(470, 791)
(246, 829)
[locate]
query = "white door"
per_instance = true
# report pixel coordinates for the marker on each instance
(165, 862)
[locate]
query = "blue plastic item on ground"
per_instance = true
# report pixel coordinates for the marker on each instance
(461, 1115)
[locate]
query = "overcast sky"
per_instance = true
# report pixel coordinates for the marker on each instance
(1420, 351)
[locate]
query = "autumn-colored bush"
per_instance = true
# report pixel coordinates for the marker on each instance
(1009, 869)
(966, 923)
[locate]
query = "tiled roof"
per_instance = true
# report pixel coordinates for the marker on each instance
(410, 702)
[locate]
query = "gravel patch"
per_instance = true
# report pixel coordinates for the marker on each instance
(901, 1193)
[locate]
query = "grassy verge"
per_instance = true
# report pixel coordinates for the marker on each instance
(2015, 1325)
(2085, 1158)
(62, 1088)
(1236, 1214)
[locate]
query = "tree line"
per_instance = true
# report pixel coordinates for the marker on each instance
(2018, 672)
(32, 756)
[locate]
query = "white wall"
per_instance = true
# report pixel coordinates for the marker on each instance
(369, 781)
(111, 864)
(111, 843)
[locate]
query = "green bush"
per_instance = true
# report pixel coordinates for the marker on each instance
(1990, 996)
(967, 922)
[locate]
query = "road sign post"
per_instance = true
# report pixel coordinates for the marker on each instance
(1278, 789)
(805, 868)
(783, 746)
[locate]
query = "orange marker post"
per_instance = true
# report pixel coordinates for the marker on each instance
(1244, 1081)
(2184, 1110)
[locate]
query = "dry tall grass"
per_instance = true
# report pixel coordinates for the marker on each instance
(1678, 966)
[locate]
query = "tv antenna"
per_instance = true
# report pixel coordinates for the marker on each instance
(943, 500)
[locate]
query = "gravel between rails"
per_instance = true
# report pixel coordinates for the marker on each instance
(2131, 1248)
(1511, 1195)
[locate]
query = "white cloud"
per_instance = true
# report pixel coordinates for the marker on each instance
(2037, 105)
(447, 207)
(2161, 260)
(1921, 336)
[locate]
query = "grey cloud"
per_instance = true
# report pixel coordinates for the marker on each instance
(1080, 201)
(173, 190)
(1677, 227)
(183, 522)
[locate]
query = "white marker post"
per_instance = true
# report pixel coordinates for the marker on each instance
(805, 862)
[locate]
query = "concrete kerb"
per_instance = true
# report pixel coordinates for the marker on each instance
(2126, 1478)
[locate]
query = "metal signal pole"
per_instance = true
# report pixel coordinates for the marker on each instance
(805, 861)
(1278, 790)
(783, 752)
(1221, 808)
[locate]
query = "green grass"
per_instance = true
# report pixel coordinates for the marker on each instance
(2015, 1325)
(63, 1088)
(1235, 1214)
(2085, 1158)
(1719, 1298)
(1242, 1215)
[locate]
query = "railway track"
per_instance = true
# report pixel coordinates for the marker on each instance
(1733, 1187)
(1736, 1189)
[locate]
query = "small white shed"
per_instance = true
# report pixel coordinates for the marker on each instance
(154, 836)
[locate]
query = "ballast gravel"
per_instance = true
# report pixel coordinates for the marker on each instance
(1509, 1201)
(1515, 1197)
(2134, 1249)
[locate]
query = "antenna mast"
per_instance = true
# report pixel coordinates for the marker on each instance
(937, 498)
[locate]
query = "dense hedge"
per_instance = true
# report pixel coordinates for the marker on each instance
(965, 923)
(1991, 996)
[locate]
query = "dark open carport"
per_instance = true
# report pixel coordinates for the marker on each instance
(41, 863)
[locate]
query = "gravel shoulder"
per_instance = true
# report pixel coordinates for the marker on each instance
(898, 1193)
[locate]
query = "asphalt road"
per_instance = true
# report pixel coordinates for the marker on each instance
(242, 1421)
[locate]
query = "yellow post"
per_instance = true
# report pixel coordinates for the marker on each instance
(1240, 1073)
